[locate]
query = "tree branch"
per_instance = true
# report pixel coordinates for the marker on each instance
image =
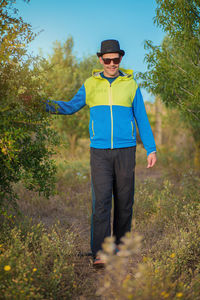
(189, 110)
(189, 93)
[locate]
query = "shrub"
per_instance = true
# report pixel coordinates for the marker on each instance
(36, 264)
(26, 140)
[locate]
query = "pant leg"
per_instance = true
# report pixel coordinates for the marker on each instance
(102, 183)
(123, 190)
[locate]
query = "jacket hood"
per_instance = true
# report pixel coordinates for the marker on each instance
(126, 72)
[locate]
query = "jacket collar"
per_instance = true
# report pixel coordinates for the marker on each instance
(126, 73)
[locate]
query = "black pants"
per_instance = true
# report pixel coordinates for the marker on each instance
(112, 172)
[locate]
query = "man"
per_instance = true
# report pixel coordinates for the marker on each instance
(115, 102)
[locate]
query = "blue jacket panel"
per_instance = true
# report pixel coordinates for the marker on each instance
(124, 130)
(100, 127)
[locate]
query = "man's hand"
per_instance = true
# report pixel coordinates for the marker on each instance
(151, 159)
(26, 99)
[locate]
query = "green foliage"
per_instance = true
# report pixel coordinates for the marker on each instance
(179, 18)
(175, 78)
(26, 141)
(173, 67)
(64, 76)
(36, 264)
(14, 32)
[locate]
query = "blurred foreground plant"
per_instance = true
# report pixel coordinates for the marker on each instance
(118, 267)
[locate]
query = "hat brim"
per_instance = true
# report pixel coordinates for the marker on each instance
(121, 52)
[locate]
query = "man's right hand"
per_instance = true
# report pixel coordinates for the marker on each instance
(151, 159)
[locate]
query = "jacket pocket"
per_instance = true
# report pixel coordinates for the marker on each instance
(132, 129)
(92, 130)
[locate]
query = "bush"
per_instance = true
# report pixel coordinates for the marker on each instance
(26, 140)
(36, 264)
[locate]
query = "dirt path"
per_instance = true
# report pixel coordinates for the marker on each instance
(87, 277)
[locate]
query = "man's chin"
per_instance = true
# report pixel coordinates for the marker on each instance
(113, 73)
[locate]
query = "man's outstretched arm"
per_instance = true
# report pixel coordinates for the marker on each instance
(70, 107)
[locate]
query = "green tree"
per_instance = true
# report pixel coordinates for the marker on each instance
(64, 76)
(174, 67)
(25, 138)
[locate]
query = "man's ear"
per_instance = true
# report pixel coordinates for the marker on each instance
(121, 58)
(101, 60)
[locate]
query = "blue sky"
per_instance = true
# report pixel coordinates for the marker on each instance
(91, 21)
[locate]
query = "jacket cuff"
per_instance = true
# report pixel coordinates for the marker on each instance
(151, 152)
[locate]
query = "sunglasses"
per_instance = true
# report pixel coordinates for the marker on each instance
(115, 60)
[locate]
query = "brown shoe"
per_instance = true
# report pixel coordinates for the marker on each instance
(98, 263)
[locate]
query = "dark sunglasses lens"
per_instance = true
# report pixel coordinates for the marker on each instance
(116, 60)
(107, 61)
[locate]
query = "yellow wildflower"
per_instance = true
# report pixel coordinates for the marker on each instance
(179, 295)
(156, 270)
(172, 255)
(34, 269)
(125, 281)
(164, 294)
(7, 268)
(145, 258)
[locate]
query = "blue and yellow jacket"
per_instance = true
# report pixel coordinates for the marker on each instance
(114, 108)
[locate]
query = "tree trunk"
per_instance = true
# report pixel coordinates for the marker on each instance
(197, 155)
(72, 144)
(158, 127)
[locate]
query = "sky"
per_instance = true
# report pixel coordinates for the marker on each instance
(91, 21)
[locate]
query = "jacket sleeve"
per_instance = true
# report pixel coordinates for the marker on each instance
(143, 124)
(70, 107)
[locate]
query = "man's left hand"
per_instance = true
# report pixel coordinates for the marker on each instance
(151, 159)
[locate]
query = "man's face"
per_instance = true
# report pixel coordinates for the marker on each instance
(112, 69)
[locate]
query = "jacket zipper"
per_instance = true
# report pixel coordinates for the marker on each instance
(111, 113)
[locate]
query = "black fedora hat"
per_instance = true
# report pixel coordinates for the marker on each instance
(110, 46)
